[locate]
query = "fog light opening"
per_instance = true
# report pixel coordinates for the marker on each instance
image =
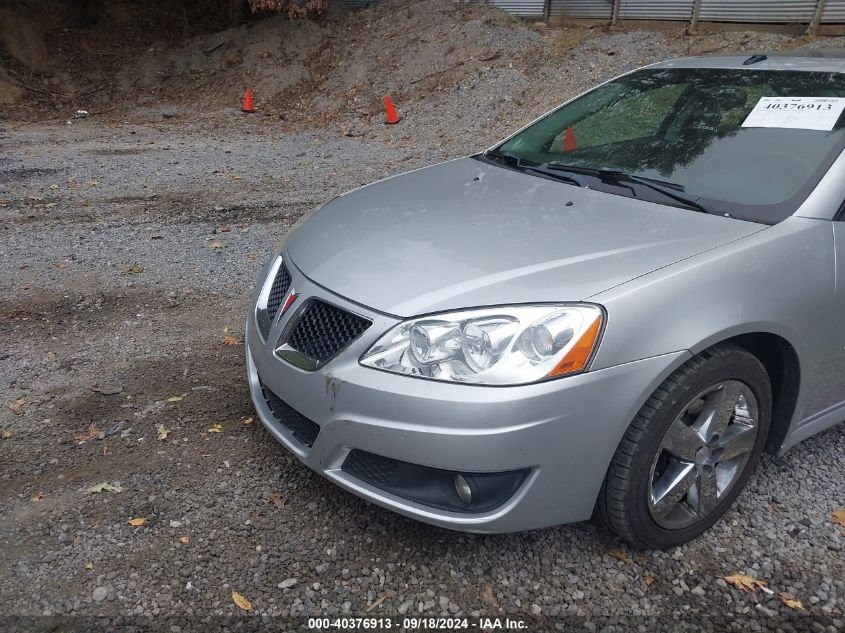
(463, 489)
(448, 490)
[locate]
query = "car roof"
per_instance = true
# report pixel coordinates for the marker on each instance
(812, 60)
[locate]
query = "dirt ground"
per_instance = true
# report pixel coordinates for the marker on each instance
(130, 245)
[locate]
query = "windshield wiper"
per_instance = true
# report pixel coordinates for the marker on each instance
(510, 159)
(561, 175)
(558, 174)
(611, 174)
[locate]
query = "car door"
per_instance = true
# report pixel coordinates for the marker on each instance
(837, 394)
(826, 385)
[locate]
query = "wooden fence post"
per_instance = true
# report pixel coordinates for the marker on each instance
(817, 17)
(614, 18)
(696, 10)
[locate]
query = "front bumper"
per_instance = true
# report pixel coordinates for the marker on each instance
(565, 431)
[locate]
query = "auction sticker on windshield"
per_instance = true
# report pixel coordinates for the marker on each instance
(803, 113)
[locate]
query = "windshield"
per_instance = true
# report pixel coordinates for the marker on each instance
(727, 138)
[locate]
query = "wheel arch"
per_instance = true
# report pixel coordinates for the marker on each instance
(779, 358)
(782, 364)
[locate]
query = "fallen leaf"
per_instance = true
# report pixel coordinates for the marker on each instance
(162, 432)
(184, 539)
(744, 582)
(38, 496)
(137, 521)
(106, 450)
(488, 597)
(134, 269)
(104, 487)
(278, 499)
(241, 601)
(8, 434)
(60, 265)
(17, 405)
(235, 177)
(215, 428)
(839, 517)
(173, 399)
(790, 601)
(216, 244)
(224, 229)
(376, 603)
(92, 434)
(619, 555)
(89, 566)
(248, 421)
(649, 581)
(232, 340)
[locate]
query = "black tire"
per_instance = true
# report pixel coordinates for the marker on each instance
(623, 501)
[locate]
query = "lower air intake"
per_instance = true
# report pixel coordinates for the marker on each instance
(303, 430)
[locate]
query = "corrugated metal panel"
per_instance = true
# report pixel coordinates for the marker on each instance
(784, 11)
(834, 12)
(525, 8)
(753, 11)
(354, 3)
(591, 9)
(655, 9)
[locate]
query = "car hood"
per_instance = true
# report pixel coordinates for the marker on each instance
(466, 233)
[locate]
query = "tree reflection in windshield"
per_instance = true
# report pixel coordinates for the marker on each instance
(685, 126)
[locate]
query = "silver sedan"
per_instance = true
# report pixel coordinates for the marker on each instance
(611, 313)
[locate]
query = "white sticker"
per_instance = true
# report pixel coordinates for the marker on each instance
(803, 113)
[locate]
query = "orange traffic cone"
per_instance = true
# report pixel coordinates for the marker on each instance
(248, 101)
(569, 144)
(392, 117)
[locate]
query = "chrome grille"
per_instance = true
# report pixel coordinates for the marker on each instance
(322, 330)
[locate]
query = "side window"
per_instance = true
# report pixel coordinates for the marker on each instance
(637, 116)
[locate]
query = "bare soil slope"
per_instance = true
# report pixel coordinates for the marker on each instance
(431, 56)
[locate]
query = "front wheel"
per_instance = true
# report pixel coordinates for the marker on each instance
(690, 450)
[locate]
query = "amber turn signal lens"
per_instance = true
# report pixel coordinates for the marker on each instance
(576, 359)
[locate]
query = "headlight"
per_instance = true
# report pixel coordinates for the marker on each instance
(510, 345)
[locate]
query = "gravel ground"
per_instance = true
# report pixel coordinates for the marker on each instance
(130, 250)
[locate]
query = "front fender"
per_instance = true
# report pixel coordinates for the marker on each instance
(779, 281)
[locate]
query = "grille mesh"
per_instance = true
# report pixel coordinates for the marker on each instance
(323, 330)
(303, 429)
(281, 285)
(370, 467)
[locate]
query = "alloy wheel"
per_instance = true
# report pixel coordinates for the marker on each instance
(703, 454)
